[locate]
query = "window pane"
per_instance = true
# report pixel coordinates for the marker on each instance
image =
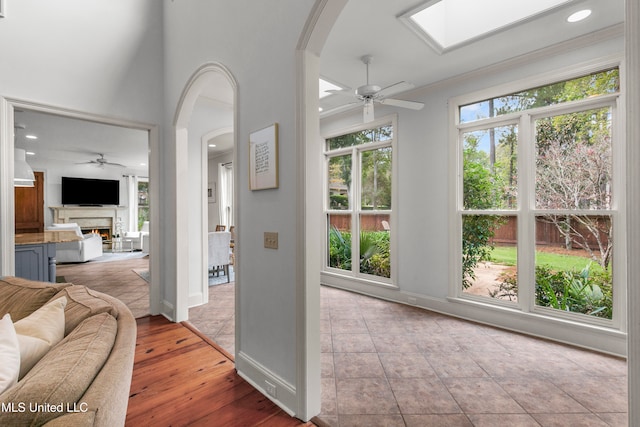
(600, 83)
(376, 179)
(489, 256)
(143, 203)
(573, 263)
(375, 255)
(573, 160)
(490, 168)
(340, 182)
(339, 239)
(383, 133)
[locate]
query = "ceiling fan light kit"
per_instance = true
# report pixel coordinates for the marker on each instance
(369, 93)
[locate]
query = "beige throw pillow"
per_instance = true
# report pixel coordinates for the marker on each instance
(38, 332)
(9, 354)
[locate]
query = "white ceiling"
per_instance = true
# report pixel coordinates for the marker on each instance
(63, 139)
(365, 27)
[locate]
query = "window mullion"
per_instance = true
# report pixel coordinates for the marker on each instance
(526, 222)
(355, 216)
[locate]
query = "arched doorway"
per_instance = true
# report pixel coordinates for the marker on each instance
(210, 84)
(312, 40)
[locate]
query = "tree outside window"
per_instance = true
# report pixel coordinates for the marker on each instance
(571, 180)
(358, 200)
(143, 203)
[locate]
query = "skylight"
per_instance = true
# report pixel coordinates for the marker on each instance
(446, 24)
(325, 86)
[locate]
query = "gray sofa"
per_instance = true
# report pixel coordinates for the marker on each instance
(88, 373)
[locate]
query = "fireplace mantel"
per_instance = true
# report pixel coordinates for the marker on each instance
(63, 214)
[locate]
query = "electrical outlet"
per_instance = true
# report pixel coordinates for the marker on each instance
(270, 388)
(270, 240)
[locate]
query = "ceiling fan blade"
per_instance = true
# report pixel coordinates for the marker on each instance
(342, 92)
(413, 105)
(395, 88)
(367, 112)
(340, 108)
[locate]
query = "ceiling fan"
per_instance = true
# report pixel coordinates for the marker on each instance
(368, 94)
(102, 162)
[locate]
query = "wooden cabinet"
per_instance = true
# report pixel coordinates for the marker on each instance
(29, 204)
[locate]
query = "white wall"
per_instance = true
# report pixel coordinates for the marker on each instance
(102, 57)
(264, 67)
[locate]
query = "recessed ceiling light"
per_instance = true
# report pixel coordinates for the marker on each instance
(143, 164)
(31, 137)
(30, 153)
(212, 145)
(320, 109)
(579, 15)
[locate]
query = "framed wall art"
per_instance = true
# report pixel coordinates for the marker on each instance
(263, 158)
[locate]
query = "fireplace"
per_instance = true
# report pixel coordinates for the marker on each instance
(102, 220)
(104, 232)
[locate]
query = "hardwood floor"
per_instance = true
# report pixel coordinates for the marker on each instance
(180, 377)
(168, 388)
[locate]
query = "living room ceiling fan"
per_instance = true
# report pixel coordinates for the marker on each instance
(369, 94)
(102, 162)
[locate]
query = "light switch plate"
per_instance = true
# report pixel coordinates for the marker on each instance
(270, 240)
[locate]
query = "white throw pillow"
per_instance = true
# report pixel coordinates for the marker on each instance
(9, 354)
(38, 332)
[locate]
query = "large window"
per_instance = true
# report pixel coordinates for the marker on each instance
(540, 191)
(358, 203)
(143, 201)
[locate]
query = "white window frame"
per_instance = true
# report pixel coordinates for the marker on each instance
(526, 209)
(138, 179)
(339, 277)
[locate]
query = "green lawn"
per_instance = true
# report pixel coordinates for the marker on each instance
(506, 255)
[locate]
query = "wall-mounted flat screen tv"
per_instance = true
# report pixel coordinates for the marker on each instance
(90, 192)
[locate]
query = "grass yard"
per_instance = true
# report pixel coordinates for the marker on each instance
(506, 255)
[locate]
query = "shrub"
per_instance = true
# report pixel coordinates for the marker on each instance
(374, 251)
(582, 291)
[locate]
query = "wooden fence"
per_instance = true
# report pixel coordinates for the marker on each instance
(368, 222)
(547, 234)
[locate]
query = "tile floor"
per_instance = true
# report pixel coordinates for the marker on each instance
(388, 364)
(217, 318)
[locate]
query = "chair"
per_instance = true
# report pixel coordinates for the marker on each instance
(138, 237)
(219, 252)
(88, 248)
(232, 230)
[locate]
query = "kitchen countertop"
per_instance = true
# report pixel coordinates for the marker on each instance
(46, 237)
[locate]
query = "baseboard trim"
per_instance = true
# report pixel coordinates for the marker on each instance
(168, 311)
(592, 337)
(258, 376)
